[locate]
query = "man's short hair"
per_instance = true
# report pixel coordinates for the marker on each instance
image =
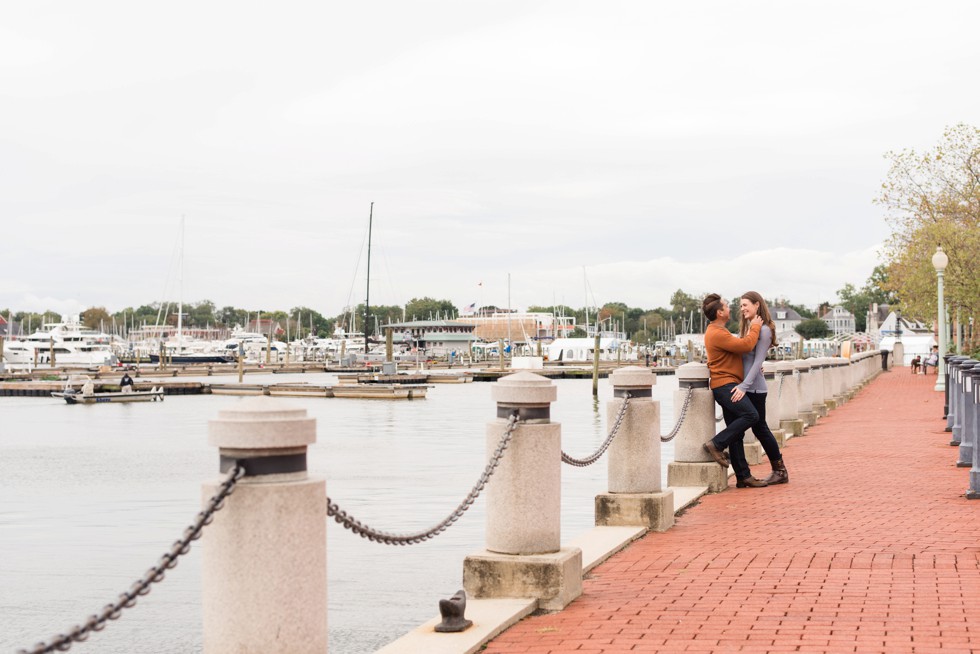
(710, 305)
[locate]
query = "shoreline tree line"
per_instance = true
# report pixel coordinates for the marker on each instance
(930, 199)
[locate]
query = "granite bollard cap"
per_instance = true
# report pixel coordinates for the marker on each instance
(524, 388)
(632, 377)
(262, 423)
(693, 371)
(785, 366)
(802, 365)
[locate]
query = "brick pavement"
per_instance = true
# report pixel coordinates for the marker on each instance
(871, 547)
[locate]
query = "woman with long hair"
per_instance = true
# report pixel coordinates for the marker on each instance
(724, 352)
(753, 386)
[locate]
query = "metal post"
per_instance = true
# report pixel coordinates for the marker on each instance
(968, 432)
(974, 491)
(939, 262)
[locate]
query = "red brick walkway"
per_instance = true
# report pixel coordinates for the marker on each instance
(871, 547)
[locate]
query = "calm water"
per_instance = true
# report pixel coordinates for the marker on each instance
(91, 496)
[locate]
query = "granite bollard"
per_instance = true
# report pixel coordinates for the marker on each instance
(264, 558)
(769, 369)
(787, 389)
(692, 466)
(523, 556)
(636, 495)
(804, 389)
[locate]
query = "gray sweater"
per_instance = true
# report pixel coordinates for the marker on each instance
(754, 381)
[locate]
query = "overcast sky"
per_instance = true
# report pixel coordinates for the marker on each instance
(631, 148)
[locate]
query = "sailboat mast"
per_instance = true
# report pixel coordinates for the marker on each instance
(180, 290)
(367, 295)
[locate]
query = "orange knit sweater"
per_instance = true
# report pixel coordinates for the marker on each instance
(725, 352)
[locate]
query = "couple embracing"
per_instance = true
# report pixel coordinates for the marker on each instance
(738, 385)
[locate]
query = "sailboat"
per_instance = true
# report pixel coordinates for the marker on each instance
(177, 352)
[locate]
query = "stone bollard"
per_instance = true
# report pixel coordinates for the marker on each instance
(692, 466)
(772, 402)
(951, 399)
(788, 390)
(841, 377)
(973, 406)
(804, 400)
(524, 557)
(897, 358)
(817, 371)
(264, 557)
(959, 386)
(636, 496)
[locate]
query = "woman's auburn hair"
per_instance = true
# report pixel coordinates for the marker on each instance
(755, 298)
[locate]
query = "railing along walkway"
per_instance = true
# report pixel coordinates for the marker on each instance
(871, 547)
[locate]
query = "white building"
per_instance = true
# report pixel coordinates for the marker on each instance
(839, 321)
(786, 320)
(434, 337)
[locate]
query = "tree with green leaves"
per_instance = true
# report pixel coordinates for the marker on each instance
(933, 199)
(813, 328)
(427, 308)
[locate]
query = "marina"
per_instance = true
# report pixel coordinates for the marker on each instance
(91, 498)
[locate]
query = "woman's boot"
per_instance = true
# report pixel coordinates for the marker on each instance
(779, 474)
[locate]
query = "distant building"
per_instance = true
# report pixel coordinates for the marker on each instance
(786, 320)
(520, 326)
(434, 337)
(839, 321)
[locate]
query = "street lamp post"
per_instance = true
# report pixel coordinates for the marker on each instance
(939, 262)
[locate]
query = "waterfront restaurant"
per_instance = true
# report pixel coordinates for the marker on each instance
(434, 337)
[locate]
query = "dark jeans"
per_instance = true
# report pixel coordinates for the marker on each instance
(761, 429)
(739, 417)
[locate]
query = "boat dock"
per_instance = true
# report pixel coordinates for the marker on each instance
(350, 390)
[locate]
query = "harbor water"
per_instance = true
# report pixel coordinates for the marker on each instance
(91, 497)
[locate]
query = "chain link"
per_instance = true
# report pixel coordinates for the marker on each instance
(375, 536)
(581, 463)
(98, 621)
(779, 385)
(680, 420)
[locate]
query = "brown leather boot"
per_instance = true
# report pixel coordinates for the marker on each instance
(716, 454)
(779, 474)
(750, 482)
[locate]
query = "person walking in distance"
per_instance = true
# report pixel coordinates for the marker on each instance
(724, 351)
(753, 386)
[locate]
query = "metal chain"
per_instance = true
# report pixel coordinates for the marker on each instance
(779, 385)
(680, 420)
(581, 463)
(98, 621)
(376, 536)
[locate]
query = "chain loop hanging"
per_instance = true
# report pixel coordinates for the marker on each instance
(680, 419)
(98, 621)
(376, 536)
(595, 456)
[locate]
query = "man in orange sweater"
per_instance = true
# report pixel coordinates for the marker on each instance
(725, 351)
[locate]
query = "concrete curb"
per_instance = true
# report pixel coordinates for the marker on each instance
(492, 616)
